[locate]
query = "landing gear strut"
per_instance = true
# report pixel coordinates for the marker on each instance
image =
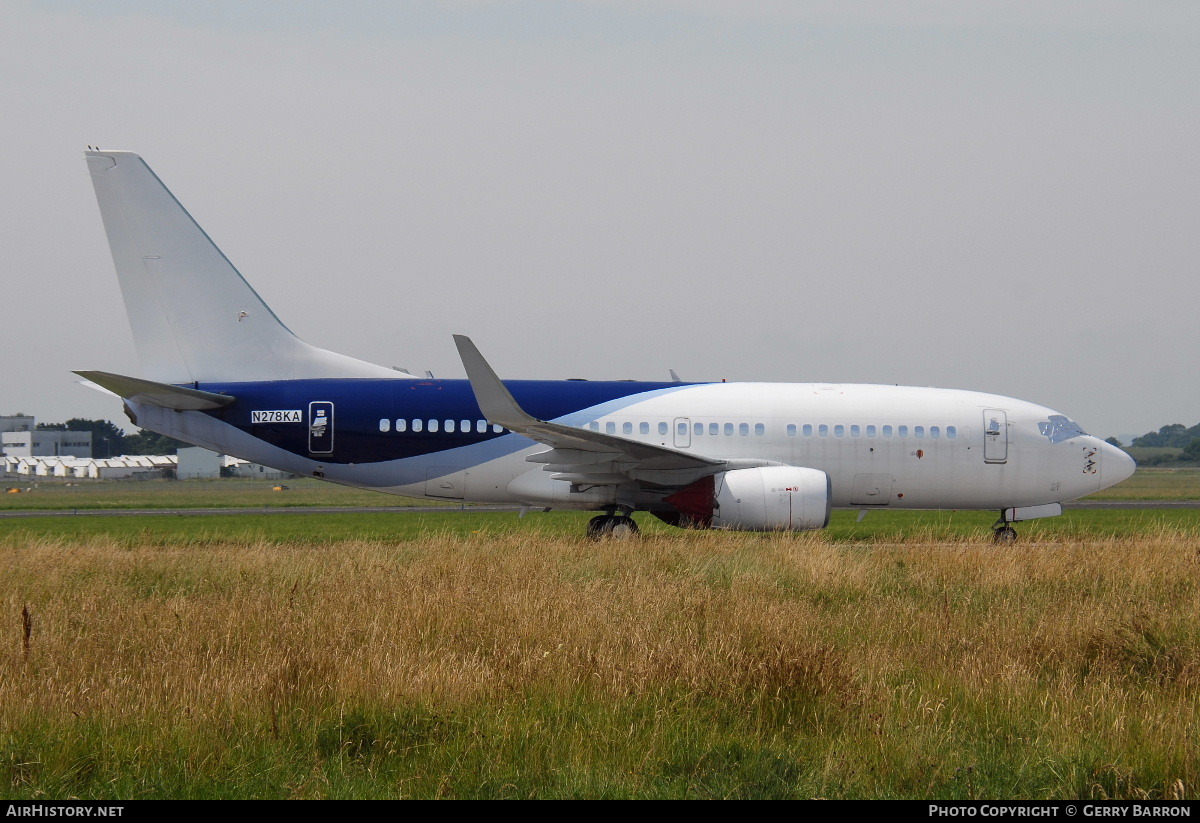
(1003, 532)
(616, 526)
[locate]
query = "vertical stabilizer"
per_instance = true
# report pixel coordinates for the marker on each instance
(193, 315)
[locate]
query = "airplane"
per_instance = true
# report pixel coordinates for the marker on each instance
(220, 370)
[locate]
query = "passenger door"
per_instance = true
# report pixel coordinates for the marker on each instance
(995, 436)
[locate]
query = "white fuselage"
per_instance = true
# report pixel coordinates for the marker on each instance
(882, 446)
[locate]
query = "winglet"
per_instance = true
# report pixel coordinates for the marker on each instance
(495, 400)
(575, 451)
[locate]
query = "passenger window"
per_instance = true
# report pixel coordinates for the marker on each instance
(934, 431)
(887, 431)
(449, 425)
(643, 427)
(401, 425)
(951, 432)
(807, 429)
(823, 430)
(594, 425)
(855, 431)
(662, 428)
(743, 429)
(497, 428)
(481, 426)
(902, 431)
(610, 427)
(418, 425)
(791, 430)
(697, 428)
(626, 428)
(714, 429)
(385, 425)
(464, 425)
(839, 430)
(432, 426)
(681, 428)
(919, 431)
(870, 430)
(728, 429)
(759, 429)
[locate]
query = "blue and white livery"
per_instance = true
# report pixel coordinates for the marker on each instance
(220, 370)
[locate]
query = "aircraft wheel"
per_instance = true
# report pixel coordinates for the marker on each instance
(600, 526)
(1005, 534)
(614, 526)
(624, 528)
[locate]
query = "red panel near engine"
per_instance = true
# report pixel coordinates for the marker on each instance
(696, 501)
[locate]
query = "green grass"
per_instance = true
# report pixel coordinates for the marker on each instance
(1155, 484)
(467, 654)
(317, 528)
(478, 655)
(171, 494)
(51, 494)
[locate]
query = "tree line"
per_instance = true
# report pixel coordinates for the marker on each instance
(1172, 436)
(109, 440)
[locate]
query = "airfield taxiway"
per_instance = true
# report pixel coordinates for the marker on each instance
(18, 513)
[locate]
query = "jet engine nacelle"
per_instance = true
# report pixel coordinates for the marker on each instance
(773, 498)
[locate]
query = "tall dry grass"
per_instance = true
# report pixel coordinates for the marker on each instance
(687, 665)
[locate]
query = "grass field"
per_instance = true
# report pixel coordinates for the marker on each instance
(170, 494)
(1155, 484)
(1146, 484)
(481, 655)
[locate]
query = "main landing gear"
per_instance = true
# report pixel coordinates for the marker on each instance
(1003, 532)
(613, 525)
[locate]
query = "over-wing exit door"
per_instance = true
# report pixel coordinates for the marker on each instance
(683, 432)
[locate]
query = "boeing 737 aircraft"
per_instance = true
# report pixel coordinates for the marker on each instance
(220, 370)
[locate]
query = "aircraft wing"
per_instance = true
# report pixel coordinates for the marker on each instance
(162, 395)
(581, 455)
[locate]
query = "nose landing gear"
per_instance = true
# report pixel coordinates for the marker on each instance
(1003, 532)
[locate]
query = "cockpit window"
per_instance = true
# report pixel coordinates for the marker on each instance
(1059, 428)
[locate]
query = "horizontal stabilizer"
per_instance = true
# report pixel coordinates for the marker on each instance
(162, 395)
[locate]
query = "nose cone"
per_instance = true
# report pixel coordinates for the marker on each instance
(1115, 466)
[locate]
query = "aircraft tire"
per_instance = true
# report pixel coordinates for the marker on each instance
(624, 528)
(1005, 534)
(614, 526)
(600, 527)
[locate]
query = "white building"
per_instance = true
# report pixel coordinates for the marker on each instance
(254, 471)
(20, 437)
(16, 423)
(196, 462)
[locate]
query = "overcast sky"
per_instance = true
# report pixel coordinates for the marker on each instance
(998, 196)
